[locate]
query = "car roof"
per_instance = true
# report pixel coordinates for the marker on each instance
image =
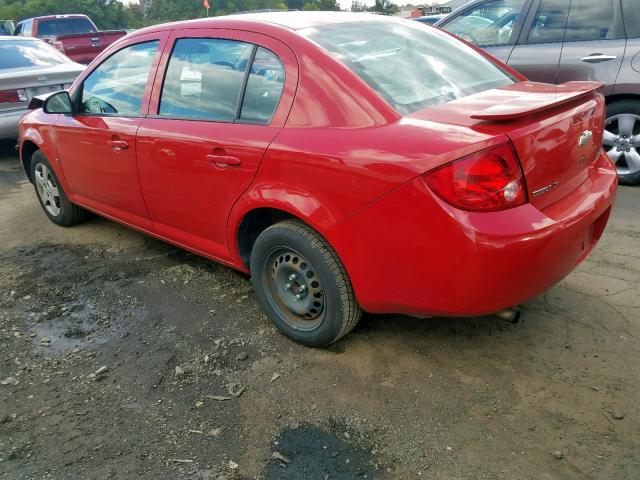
(293, 20)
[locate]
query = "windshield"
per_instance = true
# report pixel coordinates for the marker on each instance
(411, 66)
(29, 53)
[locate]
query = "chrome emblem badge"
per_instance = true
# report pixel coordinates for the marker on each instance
(585, 138)
(546, 189)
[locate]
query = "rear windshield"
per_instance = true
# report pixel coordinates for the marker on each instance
(29, 53)
(411, 66)
(64, 26)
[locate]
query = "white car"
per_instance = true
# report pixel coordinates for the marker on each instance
(29, 67)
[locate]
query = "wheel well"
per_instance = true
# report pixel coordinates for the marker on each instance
(253, 224)
(28, 149)
(621, 96)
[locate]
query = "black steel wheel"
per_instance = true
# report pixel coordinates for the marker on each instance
(295, 288)
(302, 284)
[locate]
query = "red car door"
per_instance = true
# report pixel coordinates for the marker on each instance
(97, 145)
(219, 99)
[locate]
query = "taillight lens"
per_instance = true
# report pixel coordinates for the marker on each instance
(13, 96)
(486, 181)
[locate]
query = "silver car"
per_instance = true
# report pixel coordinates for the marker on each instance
(29, 67)
(556, 41)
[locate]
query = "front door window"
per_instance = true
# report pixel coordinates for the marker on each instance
(116, 87)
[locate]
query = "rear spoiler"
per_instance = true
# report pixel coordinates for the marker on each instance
(526, 98)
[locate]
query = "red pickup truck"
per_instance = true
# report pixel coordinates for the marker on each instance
(74, 35)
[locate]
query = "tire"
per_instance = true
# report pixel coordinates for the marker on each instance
(289, 259)
(624, 151)
(50, 194)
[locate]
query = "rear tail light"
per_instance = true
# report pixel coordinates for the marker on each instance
(13, 96)
(486, 181)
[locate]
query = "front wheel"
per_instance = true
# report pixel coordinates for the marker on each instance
(50, 194)
(621, 139)
(302, 285)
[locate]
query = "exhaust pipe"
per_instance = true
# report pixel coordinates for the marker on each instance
(511, 315)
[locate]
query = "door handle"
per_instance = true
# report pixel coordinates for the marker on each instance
(223, 161)
(597, 58)
(118, 145)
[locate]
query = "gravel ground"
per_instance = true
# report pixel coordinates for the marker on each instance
(123, 357)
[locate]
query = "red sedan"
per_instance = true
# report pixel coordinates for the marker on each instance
(349, 162)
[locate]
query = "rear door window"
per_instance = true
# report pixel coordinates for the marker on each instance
(221, 80)
(631, 12)
(550, 22)
(116, 86)
(594, 20)
(204, 78)
(487, 24)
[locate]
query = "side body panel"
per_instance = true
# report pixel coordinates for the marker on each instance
(100, 175)
(628, 82)
(188, 195)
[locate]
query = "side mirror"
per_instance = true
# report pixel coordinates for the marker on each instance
(59, 102)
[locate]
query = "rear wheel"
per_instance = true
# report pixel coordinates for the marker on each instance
(302, 284)
(622, 139)
(50, 194)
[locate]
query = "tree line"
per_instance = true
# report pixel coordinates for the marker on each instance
(112, 14)
(107, 14)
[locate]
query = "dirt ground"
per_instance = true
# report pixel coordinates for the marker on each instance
(199, 385)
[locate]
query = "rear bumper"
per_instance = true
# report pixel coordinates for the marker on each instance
(9, 123)
(409, 252)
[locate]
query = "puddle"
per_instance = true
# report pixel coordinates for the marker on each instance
(314, 453)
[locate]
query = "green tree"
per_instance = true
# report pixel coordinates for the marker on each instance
(386, 7)
(329, 5)
(107, 14)
(295, 4)
(357, 6)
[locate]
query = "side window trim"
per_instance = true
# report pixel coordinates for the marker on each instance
(245, 80)
(77, 95)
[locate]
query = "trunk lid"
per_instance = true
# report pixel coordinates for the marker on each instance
(37, 81)
(555, 129)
